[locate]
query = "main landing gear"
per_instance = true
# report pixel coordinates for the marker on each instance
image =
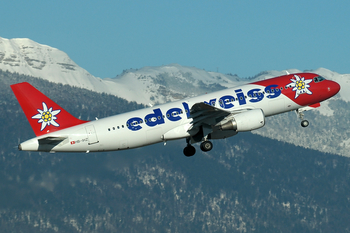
(304, 123)
(189, 150)
(206, 146)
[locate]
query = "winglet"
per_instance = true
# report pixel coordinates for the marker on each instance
(44, 115)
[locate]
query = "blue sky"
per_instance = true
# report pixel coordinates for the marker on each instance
(238, 37)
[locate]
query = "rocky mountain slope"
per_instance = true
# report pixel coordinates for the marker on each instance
(147, 85)
(27, 57)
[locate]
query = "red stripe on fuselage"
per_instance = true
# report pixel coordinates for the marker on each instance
(312, 92)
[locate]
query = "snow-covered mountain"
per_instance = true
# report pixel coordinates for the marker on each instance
(328, 131)
(27, 57)
(169, 82)
(146, 85)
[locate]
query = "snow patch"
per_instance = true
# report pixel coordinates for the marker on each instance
(324, 109)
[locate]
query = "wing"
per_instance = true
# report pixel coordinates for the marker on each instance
(204, 114)
(207, 117)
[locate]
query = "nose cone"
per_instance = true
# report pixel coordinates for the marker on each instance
(333, 88)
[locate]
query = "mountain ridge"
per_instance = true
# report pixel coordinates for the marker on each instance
(155, 85)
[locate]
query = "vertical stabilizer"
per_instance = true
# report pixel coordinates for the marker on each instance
(44, 115)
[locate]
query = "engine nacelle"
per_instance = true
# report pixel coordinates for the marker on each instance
(245, 121)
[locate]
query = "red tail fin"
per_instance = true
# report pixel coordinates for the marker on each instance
(44, 115)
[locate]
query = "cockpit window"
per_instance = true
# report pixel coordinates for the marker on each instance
(318, 79)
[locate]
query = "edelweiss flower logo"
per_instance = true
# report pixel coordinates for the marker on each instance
(46, 117)
(300, 85)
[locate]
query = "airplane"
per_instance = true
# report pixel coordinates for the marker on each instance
(217, 115)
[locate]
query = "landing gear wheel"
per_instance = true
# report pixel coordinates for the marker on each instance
(189, 151)
(304, 123)
(206, 146)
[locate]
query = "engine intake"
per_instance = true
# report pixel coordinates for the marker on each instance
(245, 121)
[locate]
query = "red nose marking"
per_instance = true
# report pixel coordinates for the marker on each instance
(333, 87)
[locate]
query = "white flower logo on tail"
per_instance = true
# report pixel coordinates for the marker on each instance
(300, 85)
(46, 117)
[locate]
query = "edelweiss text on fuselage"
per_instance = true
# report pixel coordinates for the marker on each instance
(225, 102)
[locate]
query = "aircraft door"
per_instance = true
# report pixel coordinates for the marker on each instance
(91, 134)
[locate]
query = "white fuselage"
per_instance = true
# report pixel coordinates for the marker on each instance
(159, 123)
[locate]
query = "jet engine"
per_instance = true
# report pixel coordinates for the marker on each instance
(245, 121)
